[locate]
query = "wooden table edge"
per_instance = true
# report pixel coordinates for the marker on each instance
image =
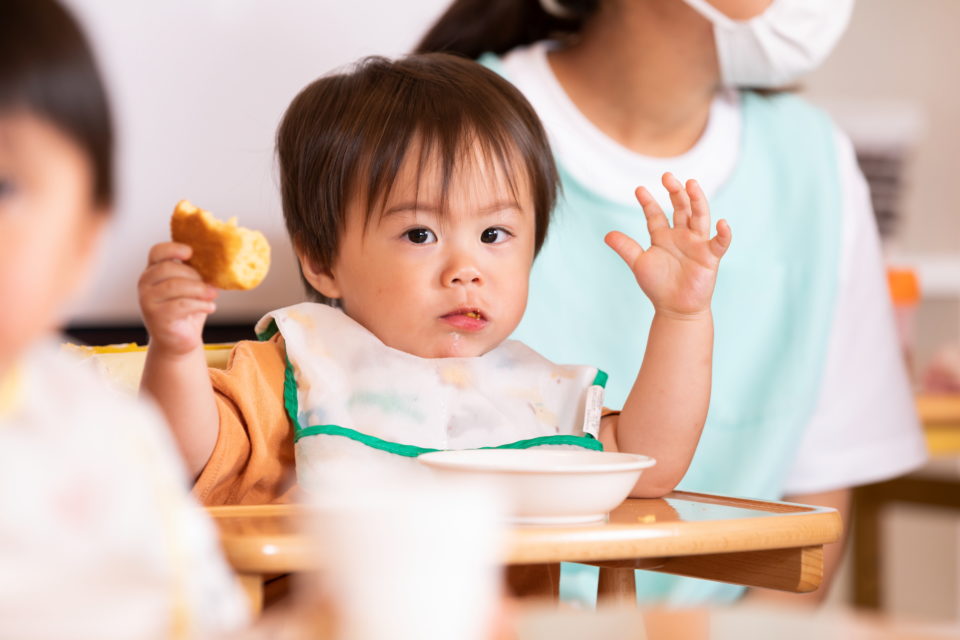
(796, 526)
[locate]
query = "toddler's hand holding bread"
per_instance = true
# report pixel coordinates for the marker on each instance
(178, 288)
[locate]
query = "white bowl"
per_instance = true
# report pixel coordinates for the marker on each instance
(549, 486)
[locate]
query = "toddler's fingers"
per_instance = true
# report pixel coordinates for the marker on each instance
(679, 200)
(625, 246)
(699, 209)
(655, 217)
(169, 251)
(167, 269)
(172, 288)
(721, 242)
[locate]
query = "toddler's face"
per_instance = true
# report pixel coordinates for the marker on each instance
(432, 284)
(48, 228)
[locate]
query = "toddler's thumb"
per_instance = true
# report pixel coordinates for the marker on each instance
(625, 246)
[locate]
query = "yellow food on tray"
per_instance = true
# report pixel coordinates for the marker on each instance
(225, 255)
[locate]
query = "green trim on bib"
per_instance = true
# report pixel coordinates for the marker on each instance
(269, 332)
(412, 451)
(292, 405)
(601, 379)
(290, 400)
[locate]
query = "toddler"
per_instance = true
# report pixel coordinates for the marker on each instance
(416, 194)
(100, 537)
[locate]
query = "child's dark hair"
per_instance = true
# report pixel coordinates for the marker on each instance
(346, 135)
(48, 70)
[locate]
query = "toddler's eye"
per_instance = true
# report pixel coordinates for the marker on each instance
(494, 235)
(421, 236)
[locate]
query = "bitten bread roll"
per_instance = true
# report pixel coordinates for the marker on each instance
(225, 255)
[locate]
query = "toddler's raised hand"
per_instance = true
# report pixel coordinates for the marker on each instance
(679, 270)
(174, 300)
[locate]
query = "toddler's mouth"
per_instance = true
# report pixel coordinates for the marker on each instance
(466, 319)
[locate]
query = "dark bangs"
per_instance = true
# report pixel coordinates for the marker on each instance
(48, 70)
(346, 136)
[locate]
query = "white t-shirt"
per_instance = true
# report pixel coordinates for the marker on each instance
(864, 427)
(100, 535)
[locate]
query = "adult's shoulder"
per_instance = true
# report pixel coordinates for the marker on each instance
(791, 112)
(794, 135)
(785, 105)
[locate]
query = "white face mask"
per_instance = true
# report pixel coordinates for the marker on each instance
(773, 49)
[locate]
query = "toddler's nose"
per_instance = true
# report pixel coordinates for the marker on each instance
(461, 272)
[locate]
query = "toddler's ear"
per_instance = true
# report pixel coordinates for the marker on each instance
(320, 279)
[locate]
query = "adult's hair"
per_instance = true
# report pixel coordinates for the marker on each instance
(345, 136)
(47, 69)
(473, 27)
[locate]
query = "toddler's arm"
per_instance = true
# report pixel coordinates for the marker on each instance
(667, 407)
(175, 302)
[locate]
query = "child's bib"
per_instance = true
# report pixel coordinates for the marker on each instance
(348, 394)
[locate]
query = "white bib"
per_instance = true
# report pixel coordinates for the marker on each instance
(348, 394)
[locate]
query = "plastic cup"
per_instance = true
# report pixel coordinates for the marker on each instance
(407, 557)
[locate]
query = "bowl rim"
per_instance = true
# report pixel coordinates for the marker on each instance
(438, 459)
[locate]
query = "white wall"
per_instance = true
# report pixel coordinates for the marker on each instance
(198, 88)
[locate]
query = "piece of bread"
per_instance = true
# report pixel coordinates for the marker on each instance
(225, 255)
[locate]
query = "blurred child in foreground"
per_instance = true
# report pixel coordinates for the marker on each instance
(98, 535)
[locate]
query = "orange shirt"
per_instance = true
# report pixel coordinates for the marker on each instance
(252, 462)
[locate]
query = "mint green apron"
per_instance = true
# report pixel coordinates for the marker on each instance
(773, 309)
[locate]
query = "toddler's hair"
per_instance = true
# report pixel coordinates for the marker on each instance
(345, 136)
(48, 70)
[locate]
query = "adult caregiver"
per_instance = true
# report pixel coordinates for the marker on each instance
(810, 395)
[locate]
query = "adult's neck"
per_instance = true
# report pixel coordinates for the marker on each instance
(645, 73)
